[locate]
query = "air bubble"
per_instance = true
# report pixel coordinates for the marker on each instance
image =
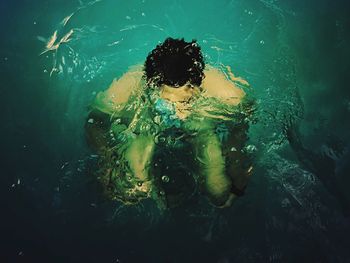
(233, 149)
(251, 148)
(165, 179)
(157, 119)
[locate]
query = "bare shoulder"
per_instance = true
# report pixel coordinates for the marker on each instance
(217, 84)
(120, 89)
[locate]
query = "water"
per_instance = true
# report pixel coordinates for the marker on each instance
(293, 54)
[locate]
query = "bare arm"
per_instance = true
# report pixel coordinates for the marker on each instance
(225, 165)
(237, 160)
(107, 104)
(108, 107)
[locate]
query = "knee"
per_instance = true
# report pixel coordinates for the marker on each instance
(221, 201)
(219, 193)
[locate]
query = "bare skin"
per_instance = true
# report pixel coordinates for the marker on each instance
(207, 144)
(139, 155)
(208, 148)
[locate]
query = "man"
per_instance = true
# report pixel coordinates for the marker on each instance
(172, 126)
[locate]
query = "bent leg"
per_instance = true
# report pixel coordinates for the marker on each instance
(212, 164)
(139, 156)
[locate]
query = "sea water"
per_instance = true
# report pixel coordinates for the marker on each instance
(56, 56)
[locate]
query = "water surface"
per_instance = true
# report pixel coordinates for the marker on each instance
(294, 55)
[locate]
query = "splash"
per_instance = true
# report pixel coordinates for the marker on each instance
(53, 44)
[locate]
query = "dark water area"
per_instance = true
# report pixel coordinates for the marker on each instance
(295, 55)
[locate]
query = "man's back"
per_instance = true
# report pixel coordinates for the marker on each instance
(214, 85)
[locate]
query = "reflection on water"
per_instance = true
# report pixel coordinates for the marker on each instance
(292, 211)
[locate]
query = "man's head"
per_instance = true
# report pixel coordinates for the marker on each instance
(175, 62)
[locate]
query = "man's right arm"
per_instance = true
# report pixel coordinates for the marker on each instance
(107, 104)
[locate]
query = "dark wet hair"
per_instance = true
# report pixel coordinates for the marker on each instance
(175, 62)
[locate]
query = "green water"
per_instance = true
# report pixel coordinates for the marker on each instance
(295, 57)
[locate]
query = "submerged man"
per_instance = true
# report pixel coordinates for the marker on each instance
(179, 109)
